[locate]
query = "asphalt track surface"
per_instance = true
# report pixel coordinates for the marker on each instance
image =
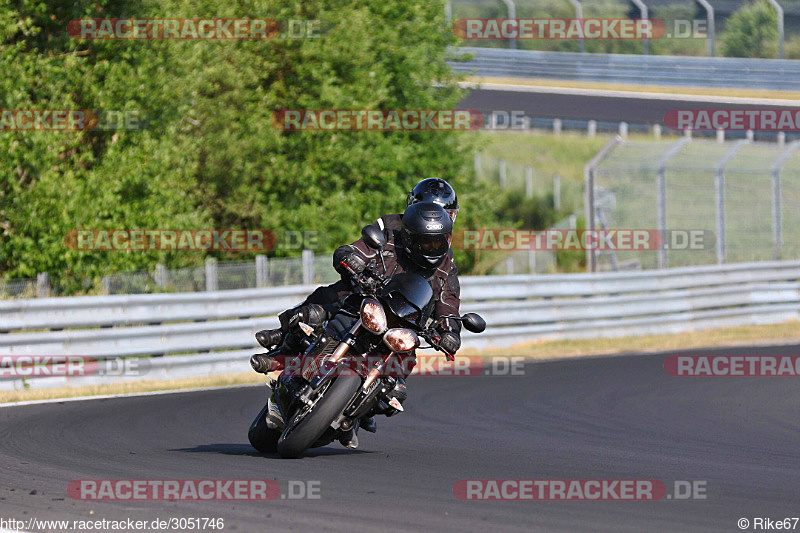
(597, 418)
(632, 109)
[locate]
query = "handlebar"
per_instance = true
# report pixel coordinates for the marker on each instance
(432, 336)
(364, 282)
(365, 278)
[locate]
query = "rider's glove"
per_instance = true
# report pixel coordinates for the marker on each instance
(312, 314)
(355, 262)
(450, 342)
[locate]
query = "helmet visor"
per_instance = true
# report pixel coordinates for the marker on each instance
(432, 244)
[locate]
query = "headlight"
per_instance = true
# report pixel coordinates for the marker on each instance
(372, 316)
(401, 340)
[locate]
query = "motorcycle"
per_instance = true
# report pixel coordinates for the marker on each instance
(350, 363)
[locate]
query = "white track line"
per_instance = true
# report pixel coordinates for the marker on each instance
(126, 395)
(629, 94)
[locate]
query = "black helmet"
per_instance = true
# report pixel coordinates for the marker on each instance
(426, 233)
(437, 191)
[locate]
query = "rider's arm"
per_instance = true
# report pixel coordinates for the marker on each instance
(449, 301)
(343, 253)
(386, 224)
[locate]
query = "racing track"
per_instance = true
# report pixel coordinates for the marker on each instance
(611, 417)
(549, 102)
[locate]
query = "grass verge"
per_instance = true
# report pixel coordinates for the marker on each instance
(658, 89)
(131, 388)
(784, 333)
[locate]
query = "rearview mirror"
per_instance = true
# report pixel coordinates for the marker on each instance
(473, 322)
(373, 237)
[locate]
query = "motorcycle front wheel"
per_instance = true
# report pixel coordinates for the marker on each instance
(301, 435)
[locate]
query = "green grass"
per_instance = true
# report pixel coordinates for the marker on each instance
(548, 154)
(629, 172)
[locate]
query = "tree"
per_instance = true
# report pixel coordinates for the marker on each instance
(210, 156)
(751, 31)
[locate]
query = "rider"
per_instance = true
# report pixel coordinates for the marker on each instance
(324, 300)
(421, 244)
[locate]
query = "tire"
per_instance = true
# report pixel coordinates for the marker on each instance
(313, 426)
(260, 436)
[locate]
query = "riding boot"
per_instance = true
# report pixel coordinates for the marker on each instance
(349, 439)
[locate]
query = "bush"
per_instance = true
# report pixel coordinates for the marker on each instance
(751, 32)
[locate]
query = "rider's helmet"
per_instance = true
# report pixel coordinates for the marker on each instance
(426, 233)
(435, 190)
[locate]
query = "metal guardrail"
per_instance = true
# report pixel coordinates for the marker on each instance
(200, 334)
(629, 68)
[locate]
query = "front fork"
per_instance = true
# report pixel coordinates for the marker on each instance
(347, 343)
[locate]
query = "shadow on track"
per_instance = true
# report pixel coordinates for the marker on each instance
(246, 449)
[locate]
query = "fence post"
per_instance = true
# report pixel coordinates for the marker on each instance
(578, 15)
(531, 261)
(262, 271)
(623, 130)
(512, 14)
(643, 15)
(528, 182)
(720, 136)
(779, 9)
(777, 219)
(719, 192)
(161, 276)
(710, 18)
(556, 193)
(781, 138)
(657, 131)
(588, 181)
(556, 126)
(591, 129)
(661, 197)
(211, 274)
(749, 135)
(308, 267)
(107, 285)
(43, 285)
(477, 163)
(501, 167)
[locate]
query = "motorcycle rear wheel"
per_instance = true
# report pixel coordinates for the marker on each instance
(260, 436)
